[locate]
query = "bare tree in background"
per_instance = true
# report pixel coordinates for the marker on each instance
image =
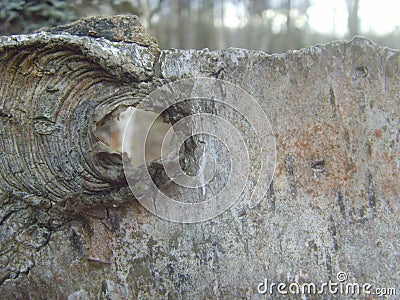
(288, 25)
(267, 25)
(353, 22)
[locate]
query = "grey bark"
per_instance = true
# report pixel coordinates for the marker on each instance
(70, 228)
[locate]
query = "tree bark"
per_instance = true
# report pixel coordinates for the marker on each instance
(71, 228)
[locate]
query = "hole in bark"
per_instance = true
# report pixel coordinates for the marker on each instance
(112, 133)
(362, 71)
(318, 166)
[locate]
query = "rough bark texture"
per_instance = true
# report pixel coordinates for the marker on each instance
(70, 228)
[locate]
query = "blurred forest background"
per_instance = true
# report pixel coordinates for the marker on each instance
(267, 25)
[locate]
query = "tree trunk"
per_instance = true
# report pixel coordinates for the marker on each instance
(320, 195)
(353, 22)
